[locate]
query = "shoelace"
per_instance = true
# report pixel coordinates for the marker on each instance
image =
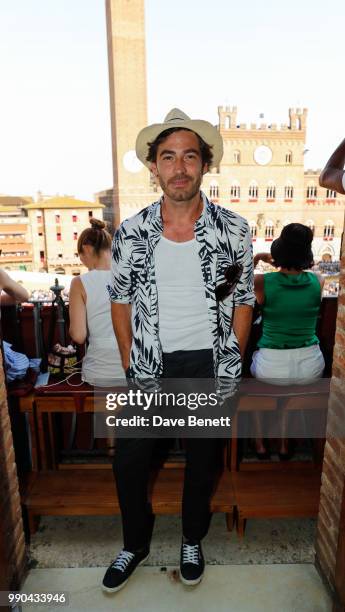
(190, 553)
(122, 560)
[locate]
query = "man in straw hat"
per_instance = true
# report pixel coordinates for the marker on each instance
(182, 299)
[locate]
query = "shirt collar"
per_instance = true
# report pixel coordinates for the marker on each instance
(205, 218)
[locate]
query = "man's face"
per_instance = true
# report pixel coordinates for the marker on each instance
(178, 166)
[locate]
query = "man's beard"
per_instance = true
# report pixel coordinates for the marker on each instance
(181, 195)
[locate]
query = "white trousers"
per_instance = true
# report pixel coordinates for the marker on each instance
(288, 366)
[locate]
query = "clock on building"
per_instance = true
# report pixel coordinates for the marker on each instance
(262, 155)
(131, 162)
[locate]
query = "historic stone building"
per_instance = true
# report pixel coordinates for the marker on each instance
(262, 177)
(55, 225)
(15, 234)
(128, 106)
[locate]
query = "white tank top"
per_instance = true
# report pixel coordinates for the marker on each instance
(183, 315)
(102, 361)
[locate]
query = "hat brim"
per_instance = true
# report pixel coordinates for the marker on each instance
(204, 129)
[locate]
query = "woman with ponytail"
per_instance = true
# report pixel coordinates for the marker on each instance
(288, 350)
(89, 308)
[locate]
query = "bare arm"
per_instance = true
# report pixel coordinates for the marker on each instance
(242, 323)
(121, 318)
(77, 311)
(265, 257)
(14, 291)
(259, 288)
(331, 176)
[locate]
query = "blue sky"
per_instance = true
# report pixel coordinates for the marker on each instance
(262, 57)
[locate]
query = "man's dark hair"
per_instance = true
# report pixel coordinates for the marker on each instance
(205, 149)
(293, 249)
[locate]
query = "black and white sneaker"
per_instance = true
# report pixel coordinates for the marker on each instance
(192, 563)
(122, 568)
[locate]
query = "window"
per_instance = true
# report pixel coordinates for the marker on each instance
(58, 236)
(311, 191)
(288, 191)
(39, 217)
(288, 157)
(253, 191)
(60, 255)
(214, 190)
(40, 233)
(271, 191)
(269, 231)
(57, 216)
(310, 223)
(253, 230)
(227, 122)
(90, 214)
(75, 235)
(41, 255)
(330, 194)
(74, 217)
(328, 230)
(237, 157)
(235, 191)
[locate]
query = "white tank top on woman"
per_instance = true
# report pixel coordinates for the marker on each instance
(102, 361)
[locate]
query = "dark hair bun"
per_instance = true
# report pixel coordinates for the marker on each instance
(97, 224)
(297, 235)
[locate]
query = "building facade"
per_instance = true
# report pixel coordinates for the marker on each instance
(262, 177)
(55, 227)
(15, 234)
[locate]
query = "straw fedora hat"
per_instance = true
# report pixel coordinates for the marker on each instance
(178, 119)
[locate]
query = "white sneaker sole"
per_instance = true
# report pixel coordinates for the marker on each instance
(191, 582)
(118, 588)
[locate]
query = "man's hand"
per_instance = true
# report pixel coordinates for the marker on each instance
(331, 176)
(121, 319)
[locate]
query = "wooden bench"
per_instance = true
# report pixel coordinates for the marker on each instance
(272, 494)
(257, 396)
(93, 492)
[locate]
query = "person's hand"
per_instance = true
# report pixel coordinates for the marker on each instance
(265, 257)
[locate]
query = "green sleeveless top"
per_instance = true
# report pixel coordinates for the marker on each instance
(290, 310)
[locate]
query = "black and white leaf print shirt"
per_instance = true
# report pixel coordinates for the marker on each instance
(224, 238)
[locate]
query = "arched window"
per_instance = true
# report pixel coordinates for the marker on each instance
(288, 157)
(235, 191)
(310, 223)
(328, 230)
(253, 191)
(237, 157)
(311, 191)
(269, 231)
(288, 191)
(253, 230)
(214, 190)
(227, 122)
(330, 194)
(271, 191)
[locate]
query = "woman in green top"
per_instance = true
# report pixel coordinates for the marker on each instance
(288, 350)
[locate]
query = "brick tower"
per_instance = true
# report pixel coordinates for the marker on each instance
(127, 83)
